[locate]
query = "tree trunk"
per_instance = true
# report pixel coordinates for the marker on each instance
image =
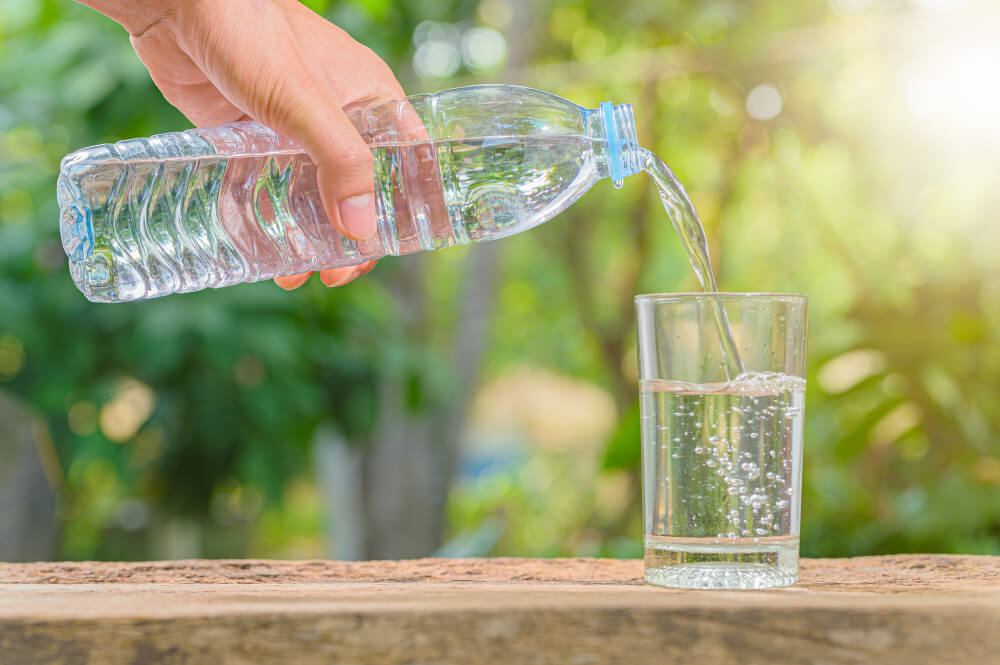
(386, 496)
(28, 471)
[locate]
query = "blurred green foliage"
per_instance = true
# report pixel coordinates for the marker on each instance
(885, 218)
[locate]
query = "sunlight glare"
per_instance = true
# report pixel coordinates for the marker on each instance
(957, 88)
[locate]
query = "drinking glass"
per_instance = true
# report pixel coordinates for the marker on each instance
(721, 437)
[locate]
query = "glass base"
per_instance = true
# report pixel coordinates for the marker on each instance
(711, 563)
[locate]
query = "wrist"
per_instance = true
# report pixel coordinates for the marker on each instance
(136, 16)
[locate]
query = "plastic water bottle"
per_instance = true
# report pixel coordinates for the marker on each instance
(238, 203)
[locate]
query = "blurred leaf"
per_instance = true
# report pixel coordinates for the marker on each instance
(624, 449)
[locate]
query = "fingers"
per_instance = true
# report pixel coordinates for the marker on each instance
(284, 66)
(289, 282)
(309, 113)
(272, 82)
(337, 276)
(344, 169)
(344, 174)
(366, 268)
(344, 162)
(342, 276)
(332, 277)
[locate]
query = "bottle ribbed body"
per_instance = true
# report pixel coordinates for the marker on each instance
(219, 206)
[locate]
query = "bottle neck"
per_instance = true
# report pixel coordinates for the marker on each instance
(619, 154)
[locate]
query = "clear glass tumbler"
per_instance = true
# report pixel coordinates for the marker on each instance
(722, 454)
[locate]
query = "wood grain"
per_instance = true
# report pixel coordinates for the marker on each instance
(884, 610)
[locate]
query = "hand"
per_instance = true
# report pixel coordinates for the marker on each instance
(277, 62)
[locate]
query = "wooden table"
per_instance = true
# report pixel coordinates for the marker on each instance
(914, 609)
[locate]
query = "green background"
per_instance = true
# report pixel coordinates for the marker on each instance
(873, 191)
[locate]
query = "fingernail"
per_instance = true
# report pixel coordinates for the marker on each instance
(330, 282)
(335, 280)
(358, 215)
(289, 282)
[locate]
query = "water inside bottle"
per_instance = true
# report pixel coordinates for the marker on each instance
(145, 227)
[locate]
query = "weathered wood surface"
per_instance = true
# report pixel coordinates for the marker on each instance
(913, 609)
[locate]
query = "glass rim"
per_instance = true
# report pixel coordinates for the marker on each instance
(694, 296)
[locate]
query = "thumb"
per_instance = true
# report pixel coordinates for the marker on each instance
(270, 81)
(312, 114)
(344, 175)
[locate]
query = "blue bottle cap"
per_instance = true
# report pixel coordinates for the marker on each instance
(614, 148)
